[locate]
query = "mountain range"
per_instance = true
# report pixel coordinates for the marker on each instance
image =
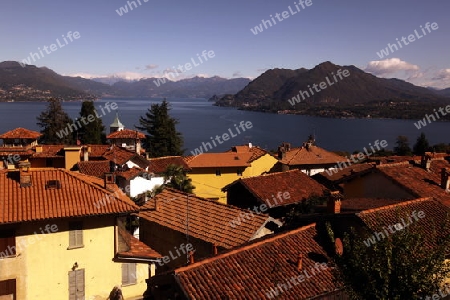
(30, 83)
(360, 94)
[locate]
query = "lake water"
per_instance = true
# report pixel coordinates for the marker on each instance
(199, 120)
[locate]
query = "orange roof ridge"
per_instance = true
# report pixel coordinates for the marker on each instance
(404, 203)
(243, 248)
(393, 164)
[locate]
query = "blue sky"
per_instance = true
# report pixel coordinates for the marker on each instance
(158, 35)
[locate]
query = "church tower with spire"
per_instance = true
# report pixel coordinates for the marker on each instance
(116, 125)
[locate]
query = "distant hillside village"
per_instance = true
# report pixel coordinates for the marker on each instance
(106, 221)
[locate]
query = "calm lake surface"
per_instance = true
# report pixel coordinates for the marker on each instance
(200, 120)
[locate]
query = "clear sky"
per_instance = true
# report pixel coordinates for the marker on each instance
(158, 35)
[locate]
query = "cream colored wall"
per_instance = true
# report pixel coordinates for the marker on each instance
(41, 268)
(260, 166)
(208, 185)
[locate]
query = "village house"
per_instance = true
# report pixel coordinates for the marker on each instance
(278, 192)
(173, 218)
(309, 158)
(210, 172)
(63, 236)
(290, 265)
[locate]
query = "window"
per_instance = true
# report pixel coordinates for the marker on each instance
(128, 274)
(218, 173)
(239, 172)
(7, 243)
(8, 289)
(76, 285)
(75, 235)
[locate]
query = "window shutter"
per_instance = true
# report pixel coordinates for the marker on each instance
(132, 273)
(80, 284)
(72, 286)
(72, 239)
(79, 237)
(125, 279)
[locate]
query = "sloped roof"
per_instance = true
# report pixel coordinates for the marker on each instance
(126, 134)
(159, 165)
(418, 181)
(94, 168)
(136, 248)
(49, 151)
(347, 172)
(118, 155)
(214, 160)
(256, 151)
(21, 133)
(208, 220)
(299, 186)
(312, 155)
(252, 271)
(434, 216)
(79, 196)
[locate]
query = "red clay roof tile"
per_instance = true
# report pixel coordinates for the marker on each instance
(312, 155)
(208, 220)
(160, 164)
(79, 196)
(21, 133)
(251, 271)
(126, 134)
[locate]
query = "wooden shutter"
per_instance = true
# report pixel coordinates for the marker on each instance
(129, 273)
(75, 235)
(72, 286)
(76, 285)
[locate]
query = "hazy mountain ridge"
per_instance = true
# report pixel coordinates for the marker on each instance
(31, 83)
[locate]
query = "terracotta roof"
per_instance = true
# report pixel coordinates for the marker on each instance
(130, 173)
(312, 155)
(208, 220)
(254, 150)
(160, 164)
(252, 271)
(21, 133)
(94, 168)
(97, 150)
(360, 204)
(347, 172)
(136, 248)
(49, 151)
(5, 151)
(299, 185)
(418, 181)
(435, 215)
(226, 159)
(118, 155)
(126, 134)
(79, 196)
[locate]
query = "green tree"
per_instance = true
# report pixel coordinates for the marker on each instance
(402, 147)
(421, 145)
(90, 132)
(177, 179)
(401, 266)
(55, 124)
(162, 139)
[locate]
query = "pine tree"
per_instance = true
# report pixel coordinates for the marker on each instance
(402, 147)
(90, 132)
(55, 124)
(421, 145)
(162, 139)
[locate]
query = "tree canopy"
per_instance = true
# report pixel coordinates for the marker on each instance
(402, 147)
(421, 145)
(92, 129)
(162, 137)
(55, 124)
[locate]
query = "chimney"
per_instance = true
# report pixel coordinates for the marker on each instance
(110, 181)
(426, 162)
(334, 203)
(39, 149)
(25, 174)
(215, 249)
(191, 257)
(444, 179)
(85, 154)
(300, 262)
(250, 145)
(281, 152)
(157, 205)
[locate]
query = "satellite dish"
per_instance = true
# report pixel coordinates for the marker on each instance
(339, 247)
